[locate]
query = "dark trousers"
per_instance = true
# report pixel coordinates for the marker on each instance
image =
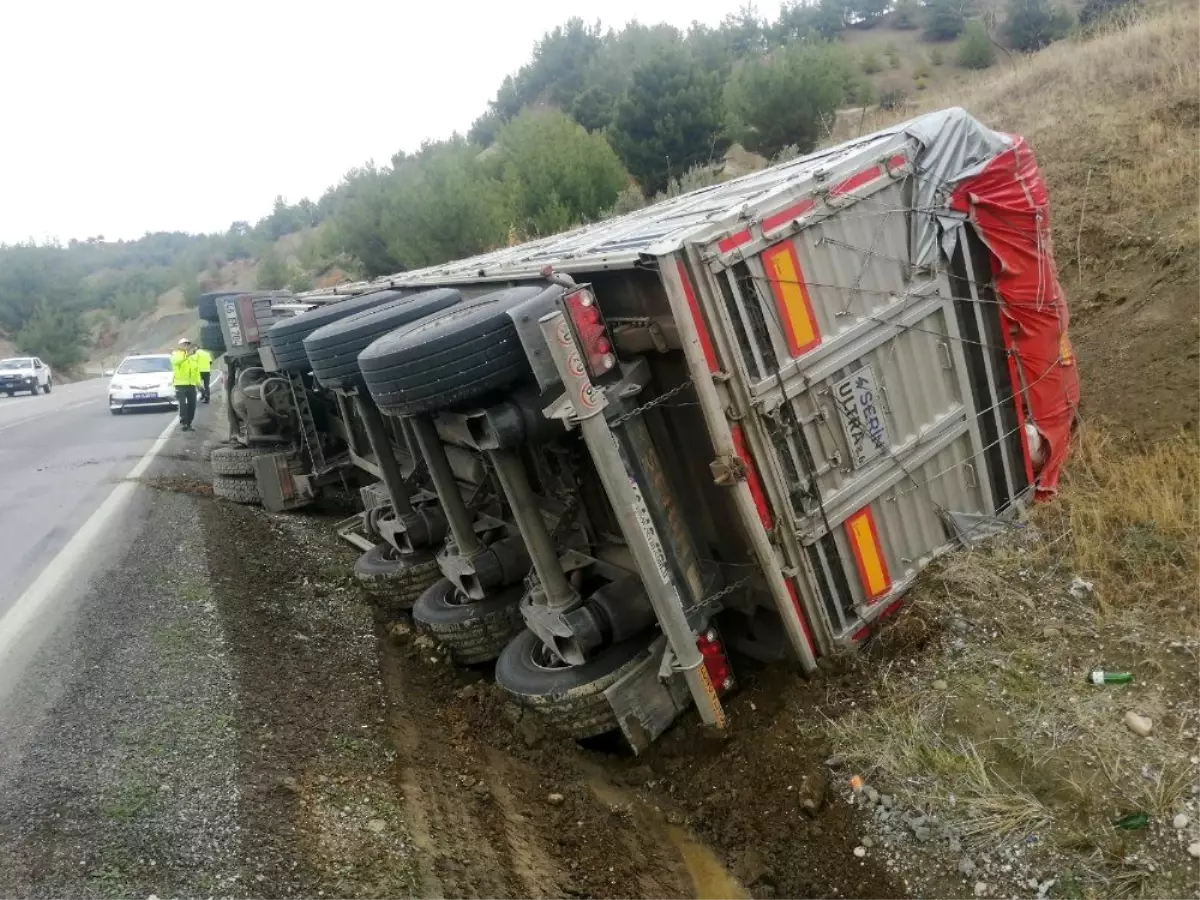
(186, 395)
(204, 388)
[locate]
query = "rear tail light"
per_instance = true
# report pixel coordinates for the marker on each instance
(591, 332)
(716, 661)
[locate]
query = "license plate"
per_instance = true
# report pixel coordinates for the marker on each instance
(145, 396)
(858, 402)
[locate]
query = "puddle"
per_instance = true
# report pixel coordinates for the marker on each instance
(710, 879)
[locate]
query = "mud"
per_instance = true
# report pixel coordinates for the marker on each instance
(699, 815)
(478, 800)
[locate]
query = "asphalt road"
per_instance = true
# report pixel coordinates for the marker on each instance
(61, 455)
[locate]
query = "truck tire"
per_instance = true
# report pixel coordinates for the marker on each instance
(211, 338)
(474, 631)
(568, 698)
(207, 448)
(286, 338)
(456, 355)
(395, 580)
(333, 349)
(236, 489)
(231, 460)
(206, 305)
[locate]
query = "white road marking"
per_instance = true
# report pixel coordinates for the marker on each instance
(60, 569)
(50, 412)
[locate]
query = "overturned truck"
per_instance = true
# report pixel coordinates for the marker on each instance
(734, 424)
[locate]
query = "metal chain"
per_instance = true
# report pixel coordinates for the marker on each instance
(650, 404)
(726, 591)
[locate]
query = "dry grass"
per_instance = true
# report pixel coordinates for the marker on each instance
(1019, 741)
(1129, 523)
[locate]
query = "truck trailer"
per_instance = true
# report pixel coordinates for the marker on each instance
(736, 423)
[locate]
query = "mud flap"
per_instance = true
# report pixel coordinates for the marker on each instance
(645, 705)
(281, 488)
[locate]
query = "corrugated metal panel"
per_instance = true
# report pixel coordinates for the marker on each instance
(856, 370)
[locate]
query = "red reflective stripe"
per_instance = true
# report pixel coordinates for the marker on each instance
(795, 211)
(861, 635)
(812, 648)
(710, 355)
(756, 490)
(856, 181)
(734, 241)
(897, 161)
(892, 607)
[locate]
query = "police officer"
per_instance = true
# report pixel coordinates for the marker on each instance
(186, 373)
(204, 364)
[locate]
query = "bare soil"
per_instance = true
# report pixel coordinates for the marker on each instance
(700, 815)
(418, 779)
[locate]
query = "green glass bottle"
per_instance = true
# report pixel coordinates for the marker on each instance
(1099, 676)
(1132, 822)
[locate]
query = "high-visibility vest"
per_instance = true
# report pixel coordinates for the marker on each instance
(184, 368)
(203, 360)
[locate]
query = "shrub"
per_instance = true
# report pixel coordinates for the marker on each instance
(936, 57)
(1032, 24)
(785, 98)
(906, 15)
(975, 50)
(870, 63)
(1096, 11)
(944, 19)
(892, 96)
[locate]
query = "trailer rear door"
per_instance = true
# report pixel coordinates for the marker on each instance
(879, 393)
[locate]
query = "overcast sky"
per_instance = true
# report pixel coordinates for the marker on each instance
(122, 117)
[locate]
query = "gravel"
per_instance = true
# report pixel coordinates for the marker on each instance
(118, 756)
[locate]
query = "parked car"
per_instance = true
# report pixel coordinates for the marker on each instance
(24, 373)
(142, 380)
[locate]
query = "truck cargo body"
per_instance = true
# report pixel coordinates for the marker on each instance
(865, 396)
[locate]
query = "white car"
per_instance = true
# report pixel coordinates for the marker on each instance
(24, 373)
(142, 380)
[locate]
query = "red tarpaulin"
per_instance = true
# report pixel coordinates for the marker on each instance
(1009, 206)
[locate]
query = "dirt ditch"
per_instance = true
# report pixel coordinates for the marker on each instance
(747, 813)
(371, 766)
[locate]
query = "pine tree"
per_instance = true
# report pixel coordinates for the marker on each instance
(945, 19)
(670, 118)
(1033, 24)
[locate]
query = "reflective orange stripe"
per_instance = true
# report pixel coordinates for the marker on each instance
(791, 297)
(868, 553)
